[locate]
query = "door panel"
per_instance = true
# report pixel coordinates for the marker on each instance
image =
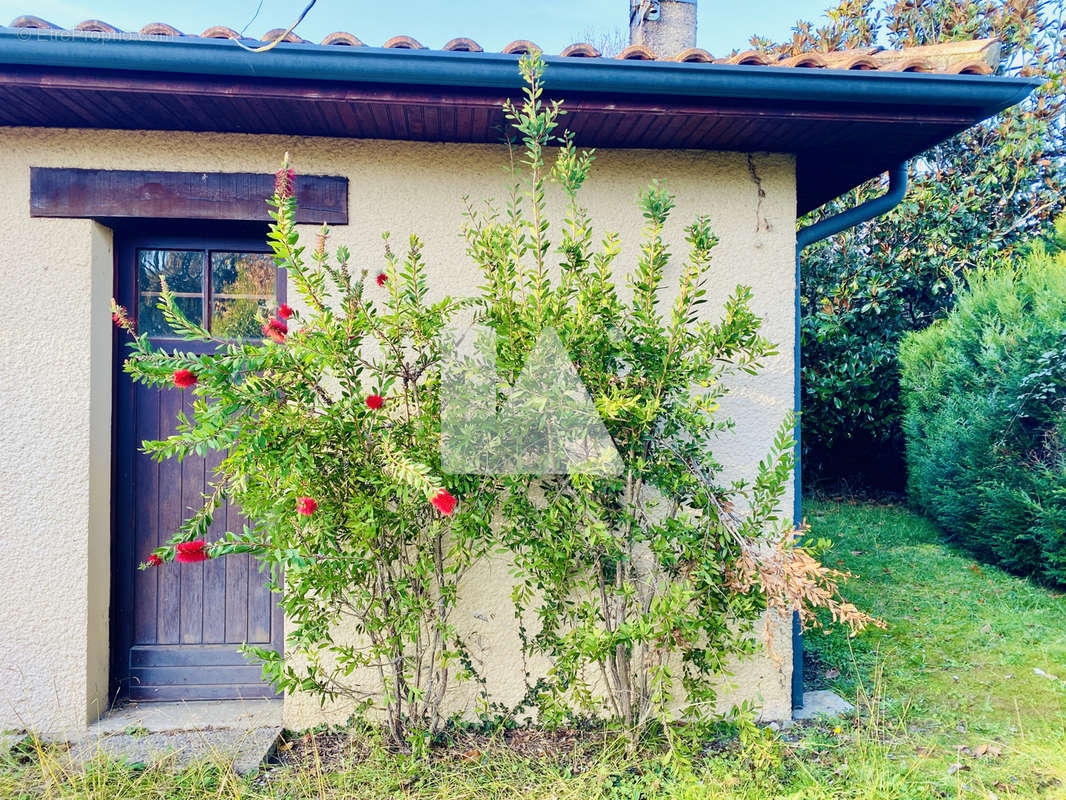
(178, 626)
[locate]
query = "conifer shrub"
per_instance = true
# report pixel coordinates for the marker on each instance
(985, 415)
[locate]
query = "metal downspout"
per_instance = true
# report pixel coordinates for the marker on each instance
(897, 188)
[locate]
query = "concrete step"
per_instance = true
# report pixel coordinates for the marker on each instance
(238, 733)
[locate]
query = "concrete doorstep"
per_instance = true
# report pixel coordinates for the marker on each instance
(238, 733)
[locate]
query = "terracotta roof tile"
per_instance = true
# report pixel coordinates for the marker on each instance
(581, 50)
(850, 60)
(404, 43)
(285, 36)
(636, 52)
(809, 60)
(694, 55)
(344, 39)
(749, 58)
(463, 45)
(220, 32)
(908, 64)
(160, 29)
(943, 57)
(27, 21)
(978, 57)
(96, 26)
(521, 47)
(970, 68)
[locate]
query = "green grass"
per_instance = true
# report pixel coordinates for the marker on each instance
(955, 667)
(949, 706)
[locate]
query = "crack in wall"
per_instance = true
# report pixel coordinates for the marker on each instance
(761, 222)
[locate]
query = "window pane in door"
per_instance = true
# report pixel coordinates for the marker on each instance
(184, 274)
(243, 287)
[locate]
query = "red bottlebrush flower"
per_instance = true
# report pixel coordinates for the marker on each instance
(121, 318)
(154, 560)
(306, 506)
(284, 312)
(191, 552)
(444, 502)
(276, 330)
(382, 278)
(284, 181)
(374, 401)
(183, 379)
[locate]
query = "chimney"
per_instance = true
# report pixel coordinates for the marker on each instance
(666, 27)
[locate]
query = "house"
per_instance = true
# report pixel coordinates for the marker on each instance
(121, 151)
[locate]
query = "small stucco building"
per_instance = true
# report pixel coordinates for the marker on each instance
(126, 153)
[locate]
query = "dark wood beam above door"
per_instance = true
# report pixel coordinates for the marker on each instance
(234, 196)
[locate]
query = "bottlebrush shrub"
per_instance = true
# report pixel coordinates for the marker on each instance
(643, 584)
(330, 435)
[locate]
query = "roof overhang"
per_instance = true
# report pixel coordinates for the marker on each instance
(843, 126)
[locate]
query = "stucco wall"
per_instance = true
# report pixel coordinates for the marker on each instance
(56, 276)
(54, 466)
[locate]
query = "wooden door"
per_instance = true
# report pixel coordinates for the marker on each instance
(176, 628)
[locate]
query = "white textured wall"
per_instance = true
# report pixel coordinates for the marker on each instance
(55, 398)
(56, 277)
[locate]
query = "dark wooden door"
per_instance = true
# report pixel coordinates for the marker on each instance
(177, 627)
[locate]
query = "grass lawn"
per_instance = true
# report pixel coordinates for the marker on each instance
(950, 705)
(963, 711)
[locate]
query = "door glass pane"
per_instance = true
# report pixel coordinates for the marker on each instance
(184, 273)
(242, 286)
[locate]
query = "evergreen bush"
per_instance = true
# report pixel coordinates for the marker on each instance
(984, 392)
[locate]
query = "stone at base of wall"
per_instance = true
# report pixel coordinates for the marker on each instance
(822, 703)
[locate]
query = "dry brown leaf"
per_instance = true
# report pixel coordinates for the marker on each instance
(792, 580)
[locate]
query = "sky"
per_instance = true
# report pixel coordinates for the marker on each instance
(723, 25)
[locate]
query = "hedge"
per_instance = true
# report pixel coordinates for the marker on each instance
(984, 393)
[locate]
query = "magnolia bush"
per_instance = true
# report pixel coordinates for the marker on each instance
(974, 200)
(642, 580)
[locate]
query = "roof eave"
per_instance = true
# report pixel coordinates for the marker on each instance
(842, 126)
(434, 68)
